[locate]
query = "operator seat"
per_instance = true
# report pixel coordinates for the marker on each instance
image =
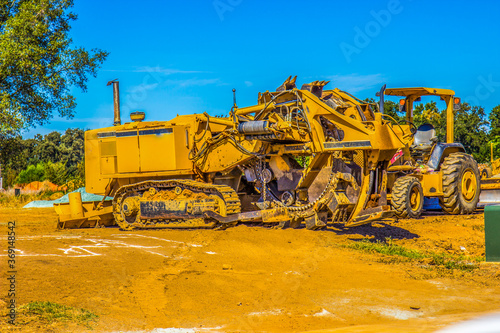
(424, 137)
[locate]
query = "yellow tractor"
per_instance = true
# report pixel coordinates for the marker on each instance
(443, 170)
(307, 156)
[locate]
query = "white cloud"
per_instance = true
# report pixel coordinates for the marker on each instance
(248, 83)
(353, 83)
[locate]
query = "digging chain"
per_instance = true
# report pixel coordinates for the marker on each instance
(307, 209)
(260, 169)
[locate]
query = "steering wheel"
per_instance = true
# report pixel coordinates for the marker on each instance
(413, 127)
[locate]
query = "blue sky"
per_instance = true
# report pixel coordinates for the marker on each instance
(183, 57)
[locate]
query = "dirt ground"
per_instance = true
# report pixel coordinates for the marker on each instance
(254, 278)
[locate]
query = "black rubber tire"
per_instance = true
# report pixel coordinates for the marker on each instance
(486, 173)
(454, 167)
(402, 191)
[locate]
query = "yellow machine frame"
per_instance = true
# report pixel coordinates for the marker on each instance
(204, 170)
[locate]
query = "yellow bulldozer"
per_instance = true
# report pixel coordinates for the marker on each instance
(309, 156)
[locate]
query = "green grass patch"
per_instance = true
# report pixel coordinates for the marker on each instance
(443, 260)
(50, 312)
(387, 247)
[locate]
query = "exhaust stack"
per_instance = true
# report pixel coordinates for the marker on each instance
(382, 99)
(116, 101)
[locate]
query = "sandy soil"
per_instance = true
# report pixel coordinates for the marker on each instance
(252, 278)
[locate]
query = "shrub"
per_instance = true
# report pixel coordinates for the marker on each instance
(30, 174)
(53, 172)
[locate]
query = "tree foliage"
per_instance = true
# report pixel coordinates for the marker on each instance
(53, 172)
(471, 126)
(55, 157)
(390, 108)
(494, 134)
(38, 64)
(495, 122)
(471, 129)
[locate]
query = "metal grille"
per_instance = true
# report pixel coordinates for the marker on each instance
(359, 158)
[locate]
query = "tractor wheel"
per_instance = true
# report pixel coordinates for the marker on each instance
(461, 184)
(407, 197)
(486, 173)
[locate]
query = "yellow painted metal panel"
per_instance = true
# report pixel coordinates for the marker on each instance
(108, 165)
(127, 149)
(421, 91)
(94, 183)
(108, 148)
(108, 155)
(157, 150)
(182, 147)
(432, 184)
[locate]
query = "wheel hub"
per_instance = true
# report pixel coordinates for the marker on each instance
(287, 198)
(415, 198)
(469, 185)
(130, 206)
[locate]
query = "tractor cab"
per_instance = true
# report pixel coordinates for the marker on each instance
(425, 141)
(426, 167)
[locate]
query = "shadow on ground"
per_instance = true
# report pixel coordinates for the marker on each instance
(376, 232)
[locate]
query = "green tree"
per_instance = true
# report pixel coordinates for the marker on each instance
(31, 173)
(430, 114)
(48, 149)
(496, 148)
(53, 172)
(495, 122)
(13, 153)
(60, 155)
(71, 149)
(38, 64)
(390, 108)
(494, 134)
(470, 126)
(471, 129)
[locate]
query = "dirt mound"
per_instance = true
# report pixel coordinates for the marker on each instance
(37, 186)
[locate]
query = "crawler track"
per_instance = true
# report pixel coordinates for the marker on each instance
(227, 194)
